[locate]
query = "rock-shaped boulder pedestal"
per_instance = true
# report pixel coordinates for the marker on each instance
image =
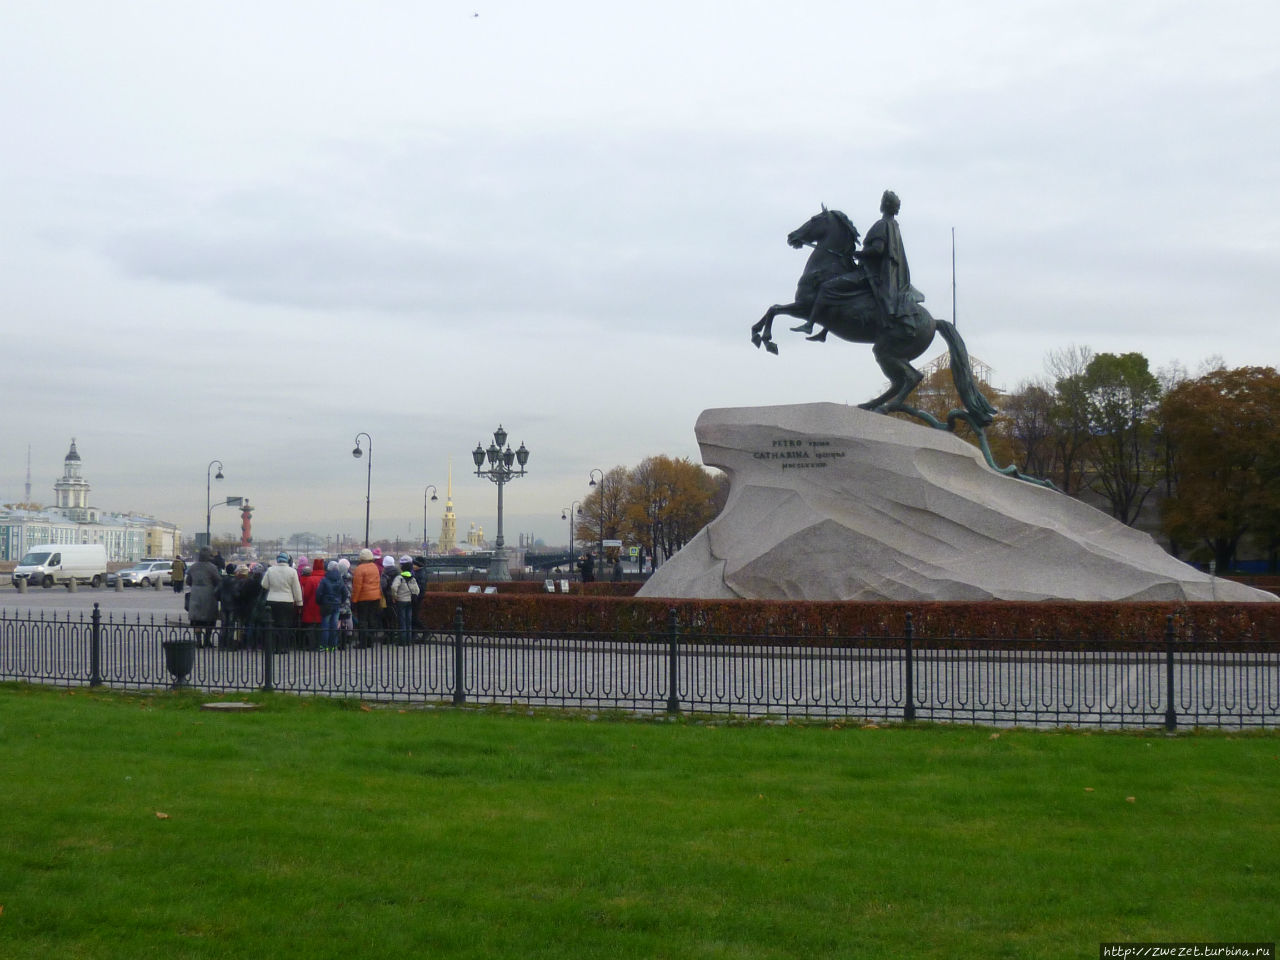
(829, 502)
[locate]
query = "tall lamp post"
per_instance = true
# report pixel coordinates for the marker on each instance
(568, 514)
(500, 472)
(368, 484)
(208, 502)
(593, 483)
(431, 489)
(229, 502)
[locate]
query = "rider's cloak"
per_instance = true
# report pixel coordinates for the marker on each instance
(886, 262)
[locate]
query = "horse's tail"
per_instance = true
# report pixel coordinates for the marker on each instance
(979, 408)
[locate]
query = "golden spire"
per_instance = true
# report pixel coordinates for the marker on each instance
(448, 523)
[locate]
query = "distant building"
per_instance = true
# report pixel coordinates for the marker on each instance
(449, 522)
(72, 491)
(981, 371)
(127, 537)
(449, 544)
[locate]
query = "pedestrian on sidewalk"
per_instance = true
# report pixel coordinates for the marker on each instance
(402, 591)
(284, 600)
(366, 598)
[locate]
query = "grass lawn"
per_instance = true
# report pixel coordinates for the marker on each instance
(138, 826)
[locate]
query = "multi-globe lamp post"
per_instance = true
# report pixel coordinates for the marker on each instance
(502, 470)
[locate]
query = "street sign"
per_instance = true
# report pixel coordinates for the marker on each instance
(611, 543)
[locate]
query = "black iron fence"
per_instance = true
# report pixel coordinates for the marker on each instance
(1155, 680)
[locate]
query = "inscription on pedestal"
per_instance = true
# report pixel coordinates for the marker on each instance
(799, 454)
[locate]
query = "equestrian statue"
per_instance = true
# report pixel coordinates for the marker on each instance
(864, 295)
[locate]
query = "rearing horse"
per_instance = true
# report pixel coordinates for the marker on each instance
(835, 294)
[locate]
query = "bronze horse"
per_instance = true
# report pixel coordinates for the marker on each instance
(835, 294)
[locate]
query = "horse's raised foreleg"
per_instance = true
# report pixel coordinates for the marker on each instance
(762, 331)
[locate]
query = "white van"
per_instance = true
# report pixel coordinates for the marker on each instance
(49, 563)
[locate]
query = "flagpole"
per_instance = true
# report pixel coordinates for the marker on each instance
(953, 278)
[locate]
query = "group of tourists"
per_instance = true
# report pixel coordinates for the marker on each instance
(309, 605)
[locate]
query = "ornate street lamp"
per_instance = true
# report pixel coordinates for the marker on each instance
(208, 502)
(600, 559)
(431, 489)
(501, 471)
(566, 513)
(368, 484)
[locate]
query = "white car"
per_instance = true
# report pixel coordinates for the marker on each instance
(145, 573)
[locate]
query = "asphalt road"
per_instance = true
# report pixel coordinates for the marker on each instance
(130, 603)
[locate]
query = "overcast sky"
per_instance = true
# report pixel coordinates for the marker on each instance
(248, 231)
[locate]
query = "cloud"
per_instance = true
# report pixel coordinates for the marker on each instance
(487, 227)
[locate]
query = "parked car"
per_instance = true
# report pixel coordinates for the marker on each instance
(146, 573)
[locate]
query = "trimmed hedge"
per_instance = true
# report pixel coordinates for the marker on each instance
(626, 588)
(776, 621)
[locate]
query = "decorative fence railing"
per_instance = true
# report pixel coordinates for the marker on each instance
(1155, 680)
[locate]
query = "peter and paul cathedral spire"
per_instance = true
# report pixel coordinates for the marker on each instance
(449, 522)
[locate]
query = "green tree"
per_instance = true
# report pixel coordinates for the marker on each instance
(1121, 395)
(1223, 431)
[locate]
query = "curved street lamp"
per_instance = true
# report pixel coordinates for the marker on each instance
(567, 513)
(501, 471)
(229, 502)
(368, 485)
(208, 501)
(431, 489)
(592, 475)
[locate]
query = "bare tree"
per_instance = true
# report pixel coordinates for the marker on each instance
(1070, 415)
(1029, 415)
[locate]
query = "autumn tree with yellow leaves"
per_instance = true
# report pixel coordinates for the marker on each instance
(658, 505)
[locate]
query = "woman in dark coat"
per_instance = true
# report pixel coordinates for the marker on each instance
(248, 591)
(227, 590)
(204, 579)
